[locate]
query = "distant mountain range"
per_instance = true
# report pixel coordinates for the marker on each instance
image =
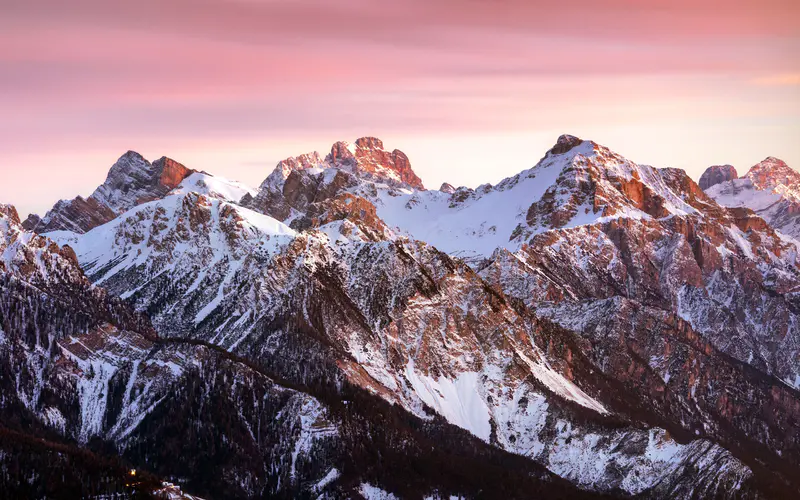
(590, 327)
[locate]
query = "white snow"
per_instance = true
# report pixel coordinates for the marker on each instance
(93, 391)
(130, 239)
(777, 204)
(558, 384)
(374, 493)
(330, 477)
(308, 430)
(741, 241)
(742, 193)
(458, 400)
(217, 300)
(475, 227)
(54, 418)
(214, 187)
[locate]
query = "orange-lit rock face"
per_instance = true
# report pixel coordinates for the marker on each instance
(772, 172)
(680, 183)
(367, 155)
(354, 209)
(10, 211)
(746, 220)
(131, 181)
(173, 173)
(372, 143)
(68, 253)
(298, 182)
(643, 198)
(717, 174)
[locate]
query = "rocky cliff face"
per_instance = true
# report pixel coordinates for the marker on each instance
(300, 181)
(131, 180)
(588, 323)
(717, 174)
(367, 156)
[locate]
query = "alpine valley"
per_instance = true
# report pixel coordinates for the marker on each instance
(590, 327)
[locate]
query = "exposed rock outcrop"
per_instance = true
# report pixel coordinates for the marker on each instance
(131, 180)
(717, 174)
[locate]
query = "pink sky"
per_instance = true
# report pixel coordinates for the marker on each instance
(472, 91)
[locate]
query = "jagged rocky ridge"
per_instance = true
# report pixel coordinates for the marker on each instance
(131, 180)
(611, 322)
(770, 188)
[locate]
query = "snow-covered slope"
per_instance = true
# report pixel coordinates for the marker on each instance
(771, 189)
(185, 238)
(576, 183)
(742, 193)
(214, 187)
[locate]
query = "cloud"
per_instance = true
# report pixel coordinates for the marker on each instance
(784, 80)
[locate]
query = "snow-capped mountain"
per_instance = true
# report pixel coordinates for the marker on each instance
(80, 366)
(590, 322)
(576, 183)
(770, 188)
(131, 180)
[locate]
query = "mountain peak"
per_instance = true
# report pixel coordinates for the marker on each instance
(717, 174)
(565, 143)
(770, 163)
(372, 143)
(368, 156)
(131, 155)
(10, 212)
(772, 172)
(133, 180)
(127, 164)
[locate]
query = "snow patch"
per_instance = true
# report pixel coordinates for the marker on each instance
(374, 493)
(458, 400)
(560, 385)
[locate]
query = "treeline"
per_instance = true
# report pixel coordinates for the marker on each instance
(220, 435)
(41, 314)
(32, 467)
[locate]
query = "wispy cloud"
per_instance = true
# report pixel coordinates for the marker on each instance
(92, 75)
(784, 80)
